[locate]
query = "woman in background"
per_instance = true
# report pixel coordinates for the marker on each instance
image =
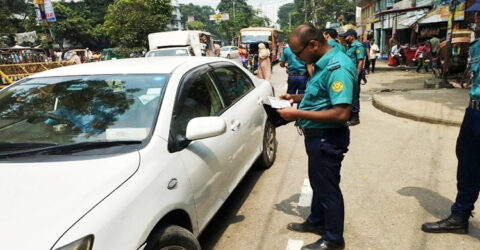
(264, 65)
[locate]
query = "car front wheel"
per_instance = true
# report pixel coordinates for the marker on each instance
(228, 56)
(269, 153)
(173, 238)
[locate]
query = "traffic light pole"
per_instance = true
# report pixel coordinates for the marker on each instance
(48, 32)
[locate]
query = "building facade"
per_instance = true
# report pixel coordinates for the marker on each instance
(176, 21)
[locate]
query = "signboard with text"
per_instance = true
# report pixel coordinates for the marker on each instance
(49, 13)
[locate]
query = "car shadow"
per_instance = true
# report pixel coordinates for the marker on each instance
(289, 206)
(436, 205)
(227, 214)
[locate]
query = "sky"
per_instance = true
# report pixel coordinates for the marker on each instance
(269, 8)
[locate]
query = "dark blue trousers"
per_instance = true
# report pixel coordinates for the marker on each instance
(356, 97)
(297, 84)
(325, 155)
(468, 171)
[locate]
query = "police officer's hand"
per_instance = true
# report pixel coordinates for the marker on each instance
(287, 97)
(289, 114)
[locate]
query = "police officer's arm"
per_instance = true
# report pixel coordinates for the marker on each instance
(292, 98)
(339, 113)
(360, 54)
(340, 91)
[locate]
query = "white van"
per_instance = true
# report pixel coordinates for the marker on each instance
(200, 42)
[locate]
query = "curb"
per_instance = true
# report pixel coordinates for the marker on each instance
(400, 113)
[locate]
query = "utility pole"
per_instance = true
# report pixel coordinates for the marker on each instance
(305, 10)
(234, 18)
(314, 14)
(448, 55)
(289, 20)
(48, 32)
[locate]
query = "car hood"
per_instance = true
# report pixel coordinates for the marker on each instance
(41, 200)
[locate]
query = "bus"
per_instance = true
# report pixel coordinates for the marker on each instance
(271, 37)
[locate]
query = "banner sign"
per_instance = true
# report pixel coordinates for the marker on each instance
(191, 19)
(217, 17)
(49, 11)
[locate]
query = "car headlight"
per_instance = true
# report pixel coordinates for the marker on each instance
(85, 243)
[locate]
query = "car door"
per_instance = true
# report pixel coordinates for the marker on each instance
(206, 160)
(235, 52)
(244, 113)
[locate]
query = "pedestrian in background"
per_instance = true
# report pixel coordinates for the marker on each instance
(322, 114)
(374, 50)
(264, 64)
(296, 70)
(242, 55)
(366, 45)
(435, 42)
(331, 36)
(356, 52)
(468, 148)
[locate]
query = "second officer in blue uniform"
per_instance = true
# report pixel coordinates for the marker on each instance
(468, 152)
(322, 114)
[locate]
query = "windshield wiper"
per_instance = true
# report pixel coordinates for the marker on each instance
(70, 148)
(12, 146)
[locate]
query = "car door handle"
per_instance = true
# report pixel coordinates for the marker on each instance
(235, 125)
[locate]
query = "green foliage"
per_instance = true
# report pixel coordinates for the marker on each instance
(326, 10)
(201, 14)
(242, 16)
(69, 26)
(128, 22)
(195, 25)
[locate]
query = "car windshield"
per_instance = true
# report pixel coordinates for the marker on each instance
(80, 109)
(168, 52)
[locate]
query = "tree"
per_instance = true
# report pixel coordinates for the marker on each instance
(326, 11)
(128, 22)
(201, 14)
(69, 26)
(241, 17)
(195, 25)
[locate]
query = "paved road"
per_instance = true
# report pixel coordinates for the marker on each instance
(398, 174)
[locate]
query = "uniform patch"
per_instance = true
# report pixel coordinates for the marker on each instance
(337, 86)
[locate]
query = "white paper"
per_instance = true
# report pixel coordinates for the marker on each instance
(278, 103)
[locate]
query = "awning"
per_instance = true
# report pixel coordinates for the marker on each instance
(407, 20)
(442, 14)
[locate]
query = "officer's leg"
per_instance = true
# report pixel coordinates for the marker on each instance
(291, 89)
(468, 172)
(325, 158)
(356, 97)
(302, 84)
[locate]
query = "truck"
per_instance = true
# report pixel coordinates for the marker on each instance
(194, 42)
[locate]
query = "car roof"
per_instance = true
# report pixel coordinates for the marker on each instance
(150, 65)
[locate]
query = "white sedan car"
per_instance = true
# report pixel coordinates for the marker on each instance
(127, 154)
(229, 52)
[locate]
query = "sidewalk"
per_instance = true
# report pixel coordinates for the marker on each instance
(438, 106)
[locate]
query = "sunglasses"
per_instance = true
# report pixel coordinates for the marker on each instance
(300, 52)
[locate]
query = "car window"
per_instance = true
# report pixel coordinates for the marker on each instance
(198, 97)
(233, 81)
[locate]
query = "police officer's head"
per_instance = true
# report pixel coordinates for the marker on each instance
(330, 34)
(350, 36)
(308, 43)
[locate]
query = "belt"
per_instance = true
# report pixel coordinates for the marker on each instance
(474, 104)
(320, 132)
(297, 74)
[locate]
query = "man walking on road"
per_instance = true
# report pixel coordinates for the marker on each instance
(331, 35)
(297, 72)
(468, 148)
(356, 52)
(322, 114)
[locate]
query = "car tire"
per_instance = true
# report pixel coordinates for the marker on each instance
(173, 237)
(269, 153)
(228, 56)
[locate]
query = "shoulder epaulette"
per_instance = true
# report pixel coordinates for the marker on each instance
(333, 65)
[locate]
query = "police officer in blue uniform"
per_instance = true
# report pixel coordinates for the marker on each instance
(297, 72)
(322, 114)
(468, 152)
(356, 52)
(331, 35)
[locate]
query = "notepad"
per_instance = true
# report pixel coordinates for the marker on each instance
(278, 103)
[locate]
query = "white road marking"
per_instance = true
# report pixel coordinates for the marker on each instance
(305, 199)
(294, 244)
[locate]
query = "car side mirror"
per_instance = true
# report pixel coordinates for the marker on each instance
(205, 127)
